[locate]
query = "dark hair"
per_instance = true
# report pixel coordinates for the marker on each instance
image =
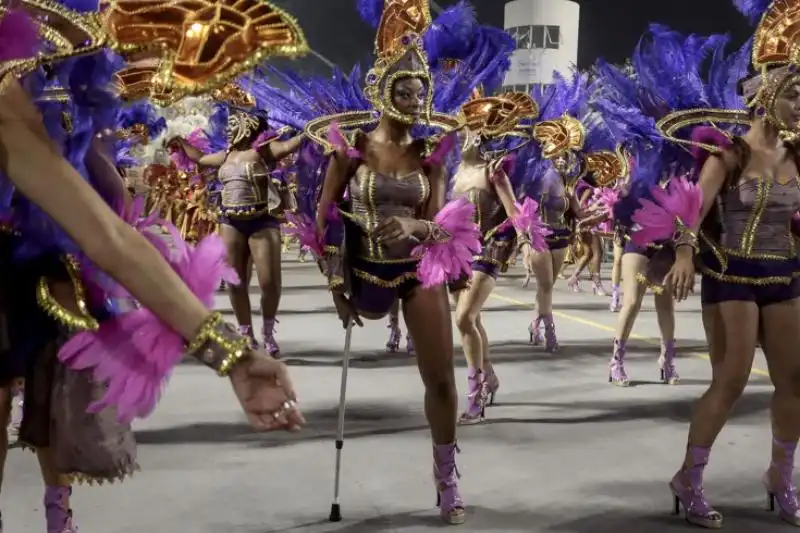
(245, 143)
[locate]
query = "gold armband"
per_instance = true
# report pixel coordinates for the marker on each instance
(218, 345)
(684, 236)
(435, 233)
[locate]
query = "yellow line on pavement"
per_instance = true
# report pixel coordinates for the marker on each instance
(603, 327)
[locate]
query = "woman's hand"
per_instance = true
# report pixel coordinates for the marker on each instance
(264, 390)
(346, 310)
(680, 278)
(395, 229)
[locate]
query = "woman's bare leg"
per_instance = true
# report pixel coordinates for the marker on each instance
(468, 308)
(427, 316)
(596, 243)
(781, 328)
(585, 259)
(5, 418)
(239, 259)
(616, 277)
(265, 249)
(665, 313)
(633, 294)
(544, 268)
(732, 332)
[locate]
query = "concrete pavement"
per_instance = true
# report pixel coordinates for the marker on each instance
(562, 451)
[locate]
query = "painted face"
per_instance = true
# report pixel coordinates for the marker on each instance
(409, 96)
(787, 105)
(561, 163)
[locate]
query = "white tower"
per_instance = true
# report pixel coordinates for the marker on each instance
(547, 40)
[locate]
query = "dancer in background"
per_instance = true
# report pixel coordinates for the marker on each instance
(252, 204)
(591, 243)
(493, 132)
(56, 331)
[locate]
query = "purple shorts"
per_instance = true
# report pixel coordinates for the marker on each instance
(715, 291)
(376, 286)
(558, 239)
(250, 226)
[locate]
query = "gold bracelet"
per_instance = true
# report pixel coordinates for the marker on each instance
(218, 345)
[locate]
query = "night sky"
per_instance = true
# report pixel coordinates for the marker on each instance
(608, 28)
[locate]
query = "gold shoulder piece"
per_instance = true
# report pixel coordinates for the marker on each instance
(671, 124)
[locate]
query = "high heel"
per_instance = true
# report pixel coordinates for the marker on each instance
(393, 344)
(597, 286)
(687, 492)
(410, 345)
(15, 421)
(476, 399)
(550, 340)
(666, 364)
(574, 284)
(445, 476)
(616, 367)
(247, 331)
(492, 384)
(270, 344)
(783, 496)
(57, 511)
(535, 331)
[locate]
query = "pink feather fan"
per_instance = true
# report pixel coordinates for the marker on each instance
(446, 261)
(676, 206)
(134, 353)
(529, 222)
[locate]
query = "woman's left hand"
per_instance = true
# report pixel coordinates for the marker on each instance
(394, 229)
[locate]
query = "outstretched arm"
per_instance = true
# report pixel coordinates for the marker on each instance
(277, 150)
(204, 160)
(39, 172)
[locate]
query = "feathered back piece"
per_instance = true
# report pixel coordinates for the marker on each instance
(752, 9)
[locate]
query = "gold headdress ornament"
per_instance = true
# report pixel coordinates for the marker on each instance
(235, 96)
(201, 44)
(65, 33)
(400, 54)
(559, 136)
(776, 59)
(136, 82)
(607, 167)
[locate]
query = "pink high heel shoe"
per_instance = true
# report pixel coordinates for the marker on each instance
(782, 495)
(393, 344)
(57, 511)
(687, 492)
(445, 475)
(476, 398)
(597, 286)
(574, 284)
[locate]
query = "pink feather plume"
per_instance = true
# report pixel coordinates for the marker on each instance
(336, 138)
(263, 138)
(658, 220)
(305, 231)
(605, 198)
(19, 36)
(442, 262)
(529, 222)
(134, 353)
(441, 151)
(199, 140)
(707, 135)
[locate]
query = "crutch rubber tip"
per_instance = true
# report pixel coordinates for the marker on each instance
(336, 513)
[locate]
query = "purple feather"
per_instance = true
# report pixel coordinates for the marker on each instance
(451, 34)
(370, 11)
(19, 36)
(752, 9)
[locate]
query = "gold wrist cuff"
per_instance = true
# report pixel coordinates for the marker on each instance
(218, 345)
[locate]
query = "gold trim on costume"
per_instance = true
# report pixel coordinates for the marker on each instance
(84, 321)
(671, 124)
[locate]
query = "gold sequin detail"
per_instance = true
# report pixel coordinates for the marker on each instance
(209, 333)
(380, 282)
(83, 322)
(757, 212)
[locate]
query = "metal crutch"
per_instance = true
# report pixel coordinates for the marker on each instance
(336, 509)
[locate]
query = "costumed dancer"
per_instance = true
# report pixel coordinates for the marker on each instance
(547, 171)
(58, 303)
(252, 202)
(402, 241)
(496, 127)
(742, 211)
(665, 63)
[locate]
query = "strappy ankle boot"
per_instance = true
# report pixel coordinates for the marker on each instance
(270, 344)
(393, 344)
(57, 511)
(535, 331)
(687, 492)
(476, 398)
(550, 340)
(247, 331)
(666, 364)
(574, 284)
(597, 286)
(445, 475)
(410, 345)
(616, 367)
(14, 423)
(491, 384)
(781, 490)
(615, 304)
